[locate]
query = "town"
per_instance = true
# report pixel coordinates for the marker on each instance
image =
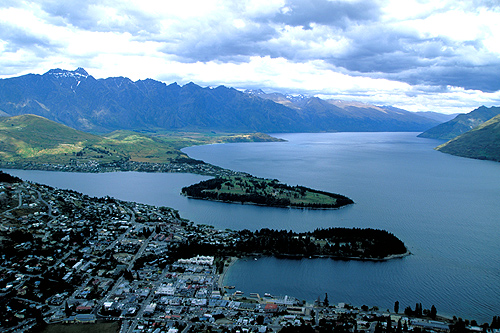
(70, 259)
(181, 165)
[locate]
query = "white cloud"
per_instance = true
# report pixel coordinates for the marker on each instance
(417, 54)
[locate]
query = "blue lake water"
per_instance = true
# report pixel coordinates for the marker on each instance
(445, 208)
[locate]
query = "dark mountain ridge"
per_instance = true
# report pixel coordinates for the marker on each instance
(461, 123)
(482, 142)
(348, 115)
(78, 100)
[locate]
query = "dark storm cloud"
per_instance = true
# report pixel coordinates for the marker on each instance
(490, 4)
(221, 43)
(69, 13)
(264, 35)
(383, 52)
(484, 78)
(332, 13)
(355, 38)
(18, 38)
(94, 15)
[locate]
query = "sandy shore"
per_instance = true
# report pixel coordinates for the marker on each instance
(232, 261)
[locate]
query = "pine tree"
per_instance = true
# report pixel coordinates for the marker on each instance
(418, 310)
(495, 323)
(433, 312)
(399, 328)
(389, 324)
(67, 310)
(408, 311)
(396, 306)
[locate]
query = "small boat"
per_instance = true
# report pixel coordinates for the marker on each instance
(229, 287)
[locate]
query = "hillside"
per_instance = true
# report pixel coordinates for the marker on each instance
(482, 142)
(78, 100)
(30, 138)
(461, 124)
(42, 142)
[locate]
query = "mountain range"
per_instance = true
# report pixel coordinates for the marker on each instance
(482, 142)
(461, 123)
(80, 101)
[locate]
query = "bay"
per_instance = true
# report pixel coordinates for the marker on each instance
(445, 208)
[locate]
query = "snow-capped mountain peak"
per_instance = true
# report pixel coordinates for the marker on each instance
(78, 74)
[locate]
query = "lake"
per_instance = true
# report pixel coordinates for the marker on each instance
(445, 208)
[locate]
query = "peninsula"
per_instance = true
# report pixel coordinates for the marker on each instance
(36, 143)
(267, 192)
(69, 258)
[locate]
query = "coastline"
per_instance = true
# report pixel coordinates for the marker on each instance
(323, 256)
(263, 205)
(232, 261)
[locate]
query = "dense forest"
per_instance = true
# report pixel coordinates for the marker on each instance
(342, 243)
(6, 178)
(264, 192)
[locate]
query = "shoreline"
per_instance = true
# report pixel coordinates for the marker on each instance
(294, 256)
(232, 261)
(264, 205)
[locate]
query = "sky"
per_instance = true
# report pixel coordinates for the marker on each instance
(419, 55)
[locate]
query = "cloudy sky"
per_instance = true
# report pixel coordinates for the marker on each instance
(438, 55)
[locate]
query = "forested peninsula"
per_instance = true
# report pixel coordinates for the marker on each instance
(336, 243)
(267, 192)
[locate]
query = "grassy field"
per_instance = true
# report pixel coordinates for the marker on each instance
(263, 191)
(268, 187)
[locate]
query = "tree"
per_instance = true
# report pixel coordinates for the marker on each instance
(389, 324)
(458, 327)
(325, 302)
(418, 309)
(433, 312)
(396, 306)
(408, 311)
(399, 328)
(495, 323)
(67, 310)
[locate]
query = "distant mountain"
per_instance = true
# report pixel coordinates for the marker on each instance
(341, 115)
(461, 123)
(78, 100)
(441, 117)
(482, 142)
